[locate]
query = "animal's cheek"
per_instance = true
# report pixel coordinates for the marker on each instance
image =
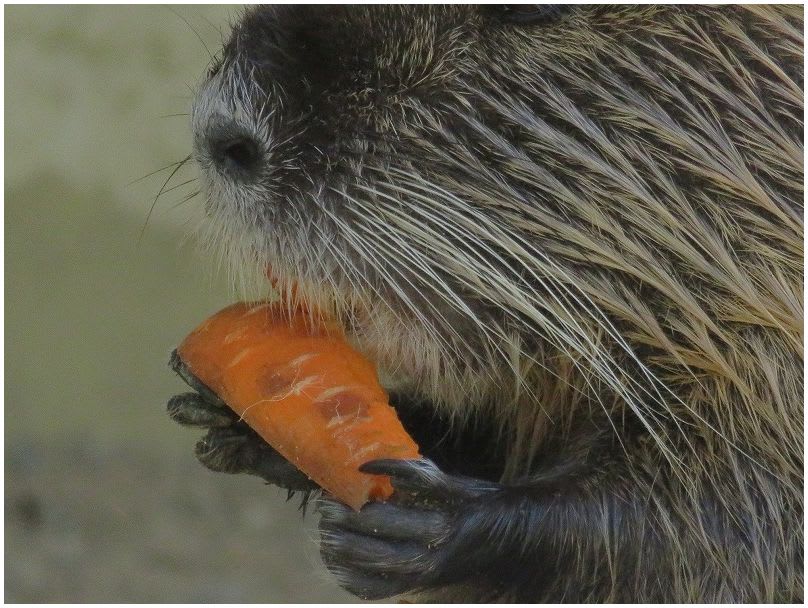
(385, 549)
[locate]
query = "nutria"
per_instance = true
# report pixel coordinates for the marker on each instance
(572, 240)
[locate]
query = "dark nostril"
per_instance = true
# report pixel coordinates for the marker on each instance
(234, 151)
(242, 152)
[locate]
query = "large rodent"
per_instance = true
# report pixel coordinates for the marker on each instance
(577, 232)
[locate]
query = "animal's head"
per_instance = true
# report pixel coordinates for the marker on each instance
(469, 187)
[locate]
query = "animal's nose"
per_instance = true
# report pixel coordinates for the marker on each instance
(234, 150)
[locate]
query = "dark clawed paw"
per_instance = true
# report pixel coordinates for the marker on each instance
(230, 446)
(401, 545)
(239, 449)
(383, 550)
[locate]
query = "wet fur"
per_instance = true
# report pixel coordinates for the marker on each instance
(587, 234)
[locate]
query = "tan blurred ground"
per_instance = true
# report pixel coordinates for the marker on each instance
(103, 499)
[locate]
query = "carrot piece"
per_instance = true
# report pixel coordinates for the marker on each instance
(305, 391)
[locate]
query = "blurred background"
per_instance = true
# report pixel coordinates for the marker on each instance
(104, 501)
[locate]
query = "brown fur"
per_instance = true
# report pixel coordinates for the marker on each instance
(593, 228)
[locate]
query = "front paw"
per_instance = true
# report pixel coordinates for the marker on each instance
(412, 542)
(230, 446)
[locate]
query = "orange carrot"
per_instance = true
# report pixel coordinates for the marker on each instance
(305, 391)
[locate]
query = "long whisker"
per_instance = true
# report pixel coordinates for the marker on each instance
(160, 170)
(196, 33)
(160, 193)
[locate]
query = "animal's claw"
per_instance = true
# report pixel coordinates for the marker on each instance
(183, 371)
(423, 479)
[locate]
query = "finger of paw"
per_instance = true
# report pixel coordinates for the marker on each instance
(369, 587)
(415, 476)
(424, 480)
(389, 521)
(190, 409)
(368, 555)
(275, 469)
(224, 451)
(421, 470)
(372, 586)
(184, 372)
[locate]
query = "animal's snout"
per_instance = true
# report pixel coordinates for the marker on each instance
(234, 150)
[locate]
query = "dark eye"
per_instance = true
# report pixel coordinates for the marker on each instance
(532, 13)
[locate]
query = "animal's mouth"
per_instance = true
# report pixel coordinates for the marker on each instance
(274, 279)
(290, 290)
(339, 245)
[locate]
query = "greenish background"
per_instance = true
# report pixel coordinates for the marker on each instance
(104, 501)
